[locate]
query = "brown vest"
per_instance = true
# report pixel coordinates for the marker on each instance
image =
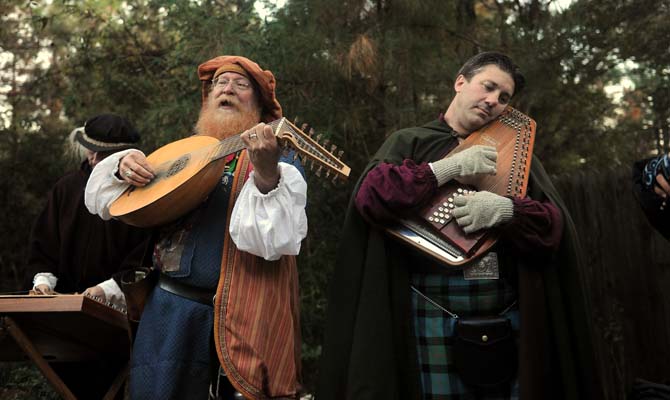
(256, 317)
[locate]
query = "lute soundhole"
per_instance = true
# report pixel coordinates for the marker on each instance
(178, 165)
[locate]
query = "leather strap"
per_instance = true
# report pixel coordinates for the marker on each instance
(174, 286)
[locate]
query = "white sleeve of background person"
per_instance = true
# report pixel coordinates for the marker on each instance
(103, 187)
(113, 292)
(273, 224)
(45, 278)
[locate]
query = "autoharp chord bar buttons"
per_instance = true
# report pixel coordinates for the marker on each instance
(441, 213)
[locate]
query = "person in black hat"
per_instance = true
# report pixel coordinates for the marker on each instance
(71, 251)
(105, 134)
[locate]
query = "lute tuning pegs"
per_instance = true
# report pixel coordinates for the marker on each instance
(304, 139)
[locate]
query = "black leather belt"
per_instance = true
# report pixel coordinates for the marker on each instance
(174, 286)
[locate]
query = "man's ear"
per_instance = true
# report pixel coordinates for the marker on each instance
(460, 81)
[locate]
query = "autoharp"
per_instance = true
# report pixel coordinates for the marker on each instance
(434, 231)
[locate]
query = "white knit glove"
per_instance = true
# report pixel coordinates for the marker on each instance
(482, 210)
(473, 160)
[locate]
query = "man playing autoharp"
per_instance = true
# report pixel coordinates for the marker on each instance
(393, 310)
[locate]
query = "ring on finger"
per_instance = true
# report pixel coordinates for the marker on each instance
(253, 135)
(128, 173)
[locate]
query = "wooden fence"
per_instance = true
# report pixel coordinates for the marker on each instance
(627, 276)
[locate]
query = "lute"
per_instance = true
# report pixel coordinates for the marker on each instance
(187, 170)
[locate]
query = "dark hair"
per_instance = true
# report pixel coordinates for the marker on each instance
(475, 64)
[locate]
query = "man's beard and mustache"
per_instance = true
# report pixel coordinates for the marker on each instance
(224, 123)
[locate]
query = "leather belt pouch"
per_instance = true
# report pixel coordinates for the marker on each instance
(485, 351)
(136, 284)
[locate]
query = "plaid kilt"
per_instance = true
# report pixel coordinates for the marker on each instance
(433, 329)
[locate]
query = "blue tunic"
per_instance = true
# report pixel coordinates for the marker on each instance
(171, 354)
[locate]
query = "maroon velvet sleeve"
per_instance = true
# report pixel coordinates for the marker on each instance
(389, 190)
(536, 226)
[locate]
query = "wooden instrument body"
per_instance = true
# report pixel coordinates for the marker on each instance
(434, 231)
(513, 136)
(65, 328)
(186, 172)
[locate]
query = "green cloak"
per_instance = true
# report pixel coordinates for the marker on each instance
(369, 351)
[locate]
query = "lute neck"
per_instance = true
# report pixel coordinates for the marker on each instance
(233, 144)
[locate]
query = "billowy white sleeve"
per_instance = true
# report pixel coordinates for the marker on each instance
(113, 292)
(273, 224)
(103, 187)
(45, 278)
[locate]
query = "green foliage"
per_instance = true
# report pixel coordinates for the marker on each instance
(21, 381)
(356, 71)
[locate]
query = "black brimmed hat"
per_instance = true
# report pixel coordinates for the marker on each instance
(107, 132)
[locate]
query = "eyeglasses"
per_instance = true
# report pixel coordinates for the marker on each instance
(238, 84)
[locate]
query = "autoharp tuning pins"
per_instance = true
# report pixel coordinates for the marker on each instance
(339, 154)
(318, 137)
(318, 171)
(327, 173)
(333, 147)
(295, 120)
(325, 143)
(295, 156)
(311, 132)
(311, 165)
(335, 180)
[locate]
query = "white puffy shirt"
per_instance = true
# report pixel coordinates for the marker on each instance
(273, 224)
(266, 225)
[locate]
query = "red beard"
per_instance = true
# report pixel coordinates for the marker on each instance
(222, 124)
